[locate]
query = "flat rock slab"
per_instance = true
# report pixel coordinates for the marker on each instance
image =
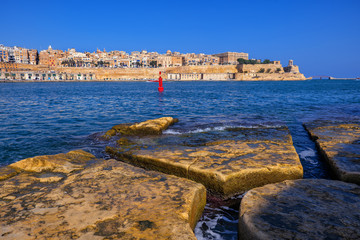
(149, 127)
(230, 163)
(107, 200)
(63, 162)
(301, 209)
(339, 144)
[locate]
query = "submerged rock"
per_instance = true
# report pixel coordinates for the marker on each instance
(226, 166)
(149, 127)
(339, 144)
(301, 209)
(107, 200)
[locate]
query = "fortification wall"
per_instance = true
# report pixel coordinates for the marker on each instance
(145, 73)
(215, 72)
(269, 77)
(203, 69)
(254, 68)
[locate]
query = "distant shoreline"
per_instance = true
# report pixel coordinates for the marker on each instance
(146, 80)
(140, 80)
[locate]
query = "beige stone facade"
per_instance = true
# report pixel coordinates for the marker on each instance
(269, 76)
(46, 76)
(231, 57)
(33, 56)
(164, 61)
(260, 68)
(291, 68)
(177, 61)
(200, 76)
(191, 76)
(51, 57)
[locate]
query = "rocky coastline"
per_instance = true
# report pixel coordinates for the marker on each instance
(157, 188)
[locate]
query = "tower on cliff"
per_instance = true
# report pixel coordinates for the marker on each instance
(291, 68)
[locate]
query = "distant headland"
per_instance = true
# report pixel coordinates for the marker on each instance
(21, 64)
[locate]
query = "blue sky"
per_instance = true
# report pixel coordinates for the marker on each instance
(322, 37)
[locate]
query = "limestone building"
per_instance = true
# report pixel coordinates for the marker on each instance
(231, 57)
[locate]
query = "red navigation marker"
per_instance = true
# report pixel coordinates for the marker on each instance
(160, 88)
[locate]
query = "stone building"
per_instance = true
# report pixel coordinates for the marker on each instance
(177, 61)
(209, 60)
(33, 56)
(164, 60)
(191, 59)
(200, 76)
(218, 76)
(231, 57)
(4, 55)
(174, 76)
(21, 55)
(46, 76)
(50, 57)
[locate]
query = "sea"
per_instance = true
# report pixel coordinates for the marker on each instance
(48, 118)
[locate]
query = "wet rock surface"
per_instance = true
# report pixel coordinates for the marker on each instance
(107, 199)
(149, 127)
(301, 209)
(226, 162)
(339, 143)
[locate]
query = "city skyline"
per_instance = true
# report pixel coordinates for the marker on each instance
(320, 36)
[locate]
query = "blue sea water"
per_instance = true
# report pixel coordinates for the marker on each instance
(49, 118)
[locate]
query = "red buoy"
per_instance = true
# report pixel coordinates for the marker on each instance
(160, 88)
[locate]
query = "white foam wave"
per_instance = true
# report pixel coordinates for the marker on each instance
(307, 153)
(218, 128)
(209, 233)
(172, 132)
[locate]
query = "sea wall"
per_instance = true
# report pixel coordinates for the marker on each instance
(214, 72)
(254, 68)
(269, 76)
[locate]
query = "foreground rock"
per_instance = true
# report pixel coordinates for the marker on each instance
(65, 163)
(339, 144)
(107, 200)
(149, 127)
(240, 160)
(301, 209)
